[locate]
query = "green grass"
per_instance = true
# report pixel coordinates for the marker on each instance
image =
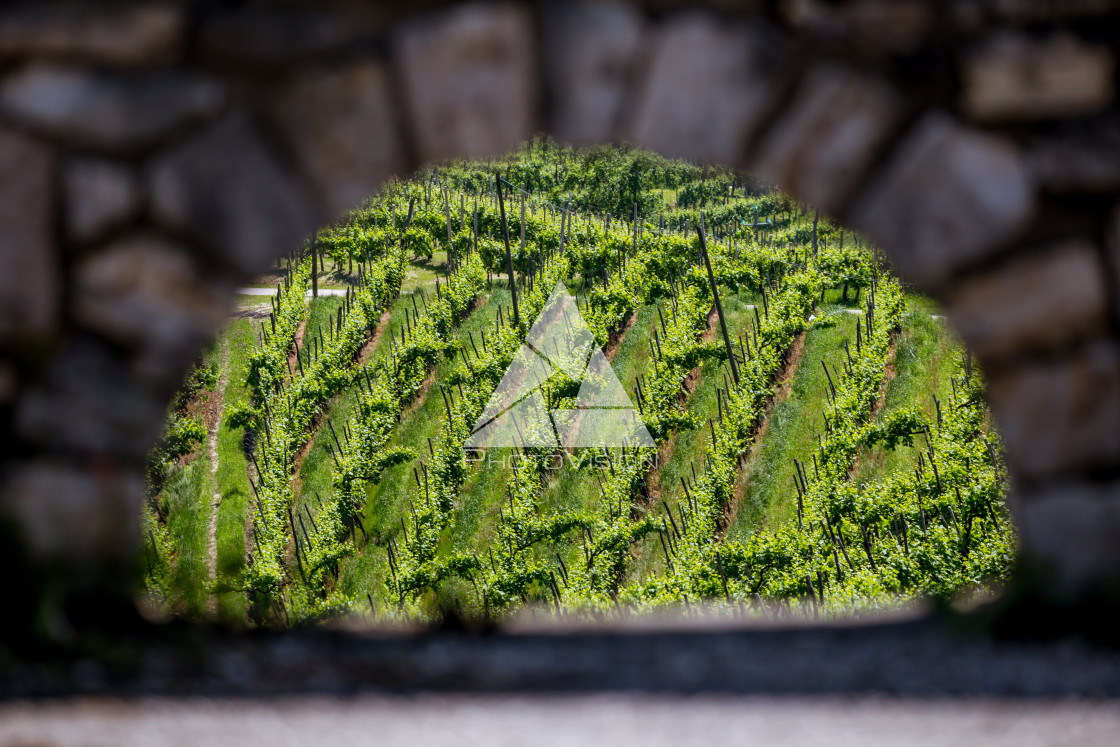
(388, 500)
(423, 272)
(476, 516)
(232, 478)
(331, 274)
(318, 466)
(243, 302)
(427, 421)
(923, 364)
(569, 489)
(768, 495)
(317, 469)
(687, 446)
(323, 316)
(575, 489)
(186, 496)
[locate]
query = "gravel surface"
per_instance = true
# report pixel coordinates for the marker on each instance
(578, 721)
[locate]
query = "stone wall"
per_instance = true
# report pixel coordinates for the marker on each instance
(156, 155)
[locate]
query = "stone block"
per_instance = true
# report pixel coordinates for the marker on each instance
(1060, 417)
(1014, 77)
(29, 284)
(139, 35)
(75, 515)
(1085, 161)
(90, 400)
(1033, 303)
(590, 51)
(1069, 531)
(144, 291)
(109, 111)
(947, 197)
(226, 189)
(707, 88)
(897, 26)
(100, 195)
(1112, 247)
(819, 147)
(1048, 11)
(342, 127)
(468, 78)
(9, 383)
(262, 36)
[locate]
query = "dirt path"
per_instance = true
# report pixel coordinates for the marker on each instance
(261, 311)
(293, 354)
(688, 386)
(212, 449)
(781, 394)
(417, 400)
(369, 347)
(665, 450)
(889, 372)
(609, 352)
(320, 420)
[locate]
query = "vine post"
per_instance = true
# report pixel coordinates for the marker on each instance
(509, 256)
(715, 297)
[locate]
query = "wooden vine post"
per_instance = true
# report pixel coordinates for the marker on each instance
(715, 297)
(509, 256)
(451, 259)
(475, 237)
(816, 217)
(314, 267)
(635, 229)
(522, 222)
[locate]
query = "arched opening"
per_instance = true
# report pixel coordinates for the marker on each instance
(697, 399)
(212, 156)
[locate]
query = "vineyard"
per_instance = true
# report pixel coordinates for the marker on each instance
(806, 435)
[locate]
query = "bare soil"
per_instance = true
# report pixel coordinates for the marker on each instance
(888, 373)
(781, 393)
(691, 380)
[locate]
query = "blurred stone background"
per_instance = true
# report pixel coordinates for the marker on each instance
(155, 155)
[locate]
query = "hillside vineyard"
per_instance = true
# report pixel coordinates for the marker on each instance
(815, 441)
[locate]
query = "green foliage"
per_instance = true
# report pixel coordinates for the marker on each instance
(284, 416)
(158, 564)
(182, 434)
(268, 366)
(848, 267)
(938, 530)
(898, 429)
